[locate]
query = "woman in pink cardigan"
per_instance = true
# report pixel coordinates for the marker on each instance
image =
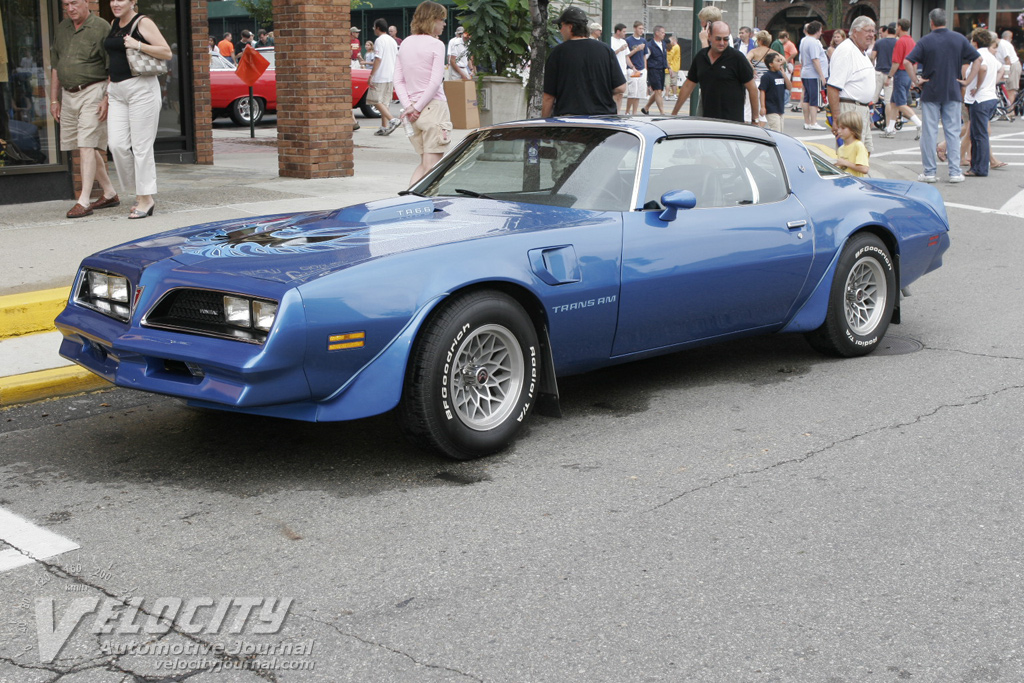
(419, 74)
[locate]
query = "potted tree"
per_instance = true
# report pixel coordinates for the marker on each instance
(510, 39)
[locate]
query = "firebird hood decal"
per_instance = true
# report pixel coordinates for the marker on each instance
(296, 247)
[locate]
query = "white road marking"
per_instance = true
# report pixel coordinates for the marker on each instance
(39, 543)
(1015, 212)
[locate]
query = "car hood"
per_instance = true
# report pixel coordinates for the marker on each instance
(292, 248)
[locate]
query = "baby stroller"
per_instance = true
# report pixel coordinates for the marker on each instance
(877, 112)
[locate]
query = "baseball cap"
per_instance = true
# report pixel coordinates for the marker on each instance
(460, 30)
(594, 26)
(892, 27)
(572, 15)
(354, 29)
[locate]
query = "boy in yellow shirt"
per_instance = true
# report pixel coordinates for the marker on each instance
(853, 155)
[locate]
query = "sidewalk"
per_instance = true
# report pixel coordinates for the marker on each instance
(42, 248)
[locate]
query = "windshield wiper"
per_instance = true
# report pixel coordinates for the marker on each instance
(405, 192)
(471, 193)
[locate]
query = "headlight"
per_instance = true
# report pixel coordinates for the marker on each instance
(236, 311)
(263, 313)
(105, 292)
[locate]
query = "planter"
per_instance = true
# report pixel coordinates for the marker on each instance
(501, 99)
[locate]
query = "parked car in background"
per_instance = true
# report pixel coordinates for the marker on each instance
(533, 250)
(230, 96)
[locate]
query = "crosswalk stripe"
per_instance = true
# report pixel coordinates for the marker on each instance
(25, 536)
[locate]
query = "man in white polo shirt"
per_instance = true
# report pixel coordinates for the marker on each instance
(851, 77)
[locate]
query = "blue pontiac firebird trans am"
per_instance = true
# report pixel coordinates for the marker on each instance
(533, 250)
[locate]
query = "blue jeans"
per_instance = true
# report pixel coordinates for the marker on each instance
(950, 114)
(981, 112)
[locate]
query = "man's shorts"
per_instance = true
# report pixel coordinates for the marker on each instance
(380, 93)
(774, 122)
(1013, 79)
(880, 77)
(900, 88)
(80, 124)
(433, 129)
(656, 79)
(636, 85)
(812, 91)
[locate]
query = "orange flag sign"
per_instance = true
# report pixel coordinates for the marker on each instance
(251, 66)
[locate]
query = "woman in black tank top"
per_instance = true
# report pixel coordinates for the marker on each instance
(134, 103)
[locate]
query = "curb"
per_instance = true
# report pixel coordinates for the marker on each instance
(35, 386)
(31, 312)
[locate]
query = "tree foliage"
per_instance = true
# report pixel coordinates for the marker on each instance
(501, 34)
(260, 10)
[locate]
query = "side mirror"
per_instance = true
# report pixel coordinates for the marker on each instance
(675, 200)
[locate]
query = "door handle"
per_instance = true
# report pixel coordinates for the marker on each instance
(795, 225)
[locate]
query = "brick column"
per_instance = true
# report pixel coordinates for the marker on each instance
(314, 88)
(201, 83)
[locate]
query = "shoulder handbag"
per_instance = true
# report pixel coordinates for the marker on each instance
(142, 64)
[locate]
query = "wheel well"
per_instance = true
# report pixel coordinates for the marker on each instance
(890, 243)
(523, 296)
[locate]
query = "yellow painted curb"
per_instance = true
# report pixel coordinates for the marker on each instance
(35, 386)
(31, 312)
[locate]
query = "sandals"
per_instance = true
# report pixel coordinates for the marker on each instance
(999, 164)
(971, 174)
(136, 212)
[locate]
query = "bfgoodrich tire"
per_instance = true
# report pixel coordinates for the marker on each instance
(473, 376)
(861, 301)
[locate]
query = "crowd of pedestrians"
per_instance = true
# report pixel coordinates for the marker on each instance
(748, 78)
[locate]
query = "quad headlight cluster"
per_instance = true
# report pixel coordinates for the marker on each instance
(108, 293)
(256, 313)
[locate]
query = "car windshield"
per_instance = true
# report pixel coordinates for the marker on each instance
(580, 167)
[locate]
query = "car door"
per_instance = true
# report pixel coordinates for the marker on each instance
(735, 262)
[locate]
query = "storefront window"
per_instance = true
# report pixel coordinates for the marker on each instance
(28, 132)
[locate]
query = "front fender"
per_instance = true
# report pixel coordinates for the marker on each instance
(377, 386)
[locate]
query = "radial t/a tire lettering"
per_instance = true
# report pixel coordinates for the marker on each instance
(473, 376)
(861, 300)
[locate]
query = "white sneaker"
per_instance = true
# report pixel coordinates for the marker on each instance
(889, 134)
(956, 178)
(927, 178)
(814, 126)
(393, 125)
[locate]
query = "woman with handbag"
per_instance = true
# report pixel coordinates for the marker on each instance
(138, 54)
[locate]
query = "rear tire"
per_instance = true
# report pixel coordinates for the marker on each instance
(861, 300)
(473, 376)
(240, 110)
(369, 110)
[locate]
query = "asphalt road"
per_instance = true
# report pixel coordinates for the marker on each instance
(749, 512)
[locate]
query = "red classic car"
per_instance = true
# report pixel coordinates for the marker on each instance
(230, 95)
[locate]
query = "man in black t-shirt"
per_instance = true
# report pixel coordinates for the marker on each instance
(581, 76)
(724, 75)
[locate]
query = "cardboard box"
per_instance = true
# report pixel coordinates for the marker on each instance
(462, 104)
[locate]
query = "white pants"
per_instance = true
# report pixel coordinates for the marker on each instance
(133, 116)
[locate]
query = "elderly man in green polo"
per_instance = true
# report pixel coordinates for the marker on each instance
(78, 99)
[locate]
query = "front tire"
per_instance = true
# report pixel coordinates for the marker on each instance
(240, 110)
(861, 301)
(473, 376)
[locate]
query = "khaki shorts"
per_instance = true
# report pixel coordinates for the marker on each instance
(433, 129)
(636, 85)
(1013, 79)
(775, 122)
(80, 124)
(380, 93)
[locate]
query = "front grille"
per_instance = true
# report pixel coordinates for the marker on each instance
(195, 305)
